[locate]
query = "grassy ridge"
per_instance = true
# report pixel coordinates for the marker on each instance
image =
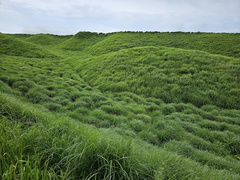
(138, 112)
(82, 40)
(17, 47)
(47, 39)
(224, 44)
(173, 75)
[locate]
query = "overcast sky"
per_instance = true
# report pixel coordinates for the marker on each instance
(72, 16)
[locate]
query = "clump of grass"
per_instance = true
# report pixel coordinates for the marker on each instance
(15, 163)
(74, 95)
(137, 125)
(114, 87)
(143, 117)
(60, 100)
(202, 144)
(115, 110)
(169, 133)
(78, 104)
(54, 107)
(101, 115)
(203, 157)
(149, 136)
(168, 109)
(6, 89)
(37, 95)
(83, 111)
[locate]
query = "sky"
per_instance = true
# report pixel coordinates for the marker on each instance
(71, 16)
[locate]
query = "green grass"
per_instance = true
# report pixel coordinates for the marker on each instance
(47, 39)
(224, 44)
(17, 47)
(59, 147)
(127, 105)
(81, 40)
(173, 75)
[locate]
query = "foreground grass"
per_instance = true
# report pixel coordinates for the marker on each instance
(39, 145)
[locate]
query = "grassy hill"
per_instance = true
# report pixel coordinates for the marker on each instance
(82, 40)
(224, 44)
(47, 39)
(173, 75)
(128, 105)
(18, 47)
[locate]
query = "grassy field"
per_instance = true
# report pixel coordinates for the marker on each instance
(125, 105)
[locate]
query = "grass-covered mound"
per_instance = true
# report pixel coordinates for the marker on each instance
(224, 44)
(147, 112)
(82, 40)
(16, 47)
(173, 75)
(47, 39)
(21, 36)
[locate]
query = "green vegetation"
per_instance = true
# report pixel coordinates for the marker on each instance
(17, 47)
(127, 105)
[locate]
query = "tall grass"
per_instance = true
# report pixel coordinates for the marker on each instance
(163, 77)
(138, 111)
(59, 148)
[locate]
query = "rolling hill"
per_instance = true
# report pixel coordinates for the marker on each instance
(224, 44)
(125, 105)
(17, 47)
(47, 39)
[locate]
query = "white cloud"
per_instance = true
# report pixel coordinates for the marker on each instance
(71, 16)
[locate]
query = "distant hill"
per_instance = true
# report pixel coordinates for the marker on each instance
(224, 44)
(47, 39)
(16, 47)
(82, 40)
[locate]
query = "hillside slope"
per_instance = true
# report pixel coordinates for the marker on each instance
(47, 39)
(224, 44)
(40, 145)
(16, 47)
(82, 40)
(173, 75)
(127, 105)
